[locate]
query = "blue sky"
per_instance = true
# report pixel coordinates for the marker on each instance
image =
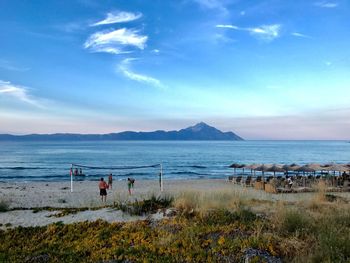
(271, 69)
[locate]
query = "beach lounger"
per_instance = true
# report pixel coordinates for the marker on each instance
(238, 180)
(248, 181)
(230, 179)
(268, 179)
(258, 179)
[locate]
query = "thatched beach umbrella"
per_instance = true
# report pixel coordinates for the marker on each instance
(290, 167)
(252, 167)
(336, 168)
(305, 169)
(314, 166)
(347, 166)
(235, 166)
(263, 168)
(275, 168)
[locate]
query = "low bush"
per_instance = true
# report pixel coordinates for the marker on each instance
(4, 206)
(145, 206)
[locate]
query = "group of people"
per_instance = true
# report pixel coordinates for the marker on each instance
(76, 172)
(103, 186)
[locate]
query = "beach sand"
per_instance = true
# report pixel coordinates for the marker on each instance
(86, 194)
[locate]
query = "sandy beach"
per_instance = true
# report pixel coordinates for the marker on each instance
(24, 196)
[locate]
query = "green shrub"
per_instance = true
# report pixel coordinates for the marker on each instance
(223, 216)
(4, 206)
(145, 206)
(294, 222)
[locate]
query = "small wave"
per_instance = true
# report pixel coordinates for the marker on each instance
(189, 173)
(193, 166)
(23, 168)
(134, 174)
(198, 166)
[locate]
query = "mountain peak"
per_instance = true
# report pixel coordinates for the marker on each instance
(200, 126)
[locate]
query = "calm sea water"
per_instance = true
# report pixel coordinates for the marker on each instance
(50, 161)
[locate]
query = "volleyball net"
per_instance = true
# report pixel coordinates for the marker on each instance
(75, 166)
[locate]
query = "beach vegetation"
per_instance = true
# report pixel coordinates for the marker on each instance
(4, 206)
(202, 230)
(145, 206)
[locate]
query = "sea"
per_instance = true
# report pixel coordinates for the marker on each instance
(51, 161)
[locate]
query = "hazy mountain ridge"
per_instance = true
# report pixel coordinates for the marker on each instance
(200, 131)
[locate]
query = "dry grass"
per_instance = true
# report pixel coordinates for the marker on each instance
(204, 201)
(321, 189)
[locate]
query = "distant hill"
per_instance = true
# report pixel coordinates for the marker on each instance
(200, 131)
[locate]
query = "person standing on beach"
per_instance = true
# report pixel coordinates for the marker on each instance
(102, 185)
(110, 181)
(131, 182)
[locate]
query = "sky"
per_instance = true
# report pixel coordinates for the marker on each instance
(264, 69)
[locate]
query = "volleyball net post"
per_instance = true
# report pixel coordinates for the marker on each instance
(161, 178)
(71, 179)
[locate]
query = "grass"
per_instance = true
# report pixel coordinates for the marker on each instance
(210, 226)
(200, 202)
(146, 206)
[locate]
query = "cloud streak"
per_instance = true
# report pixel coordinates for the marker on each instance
(296, 34)
(17, 92)
(115, 41)
(326, 4)
(213, 4)
(9, 66)
(118, 17)
(124, 68)
(264, 32)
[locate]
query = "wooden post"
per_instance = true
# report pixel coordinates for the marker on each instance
(71, 179)
(161, 178)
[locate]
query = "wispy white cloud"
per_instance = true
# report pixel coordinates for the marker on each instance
(264, 32)
(18, 92)
(118, 17)
(296, 34)
(115, 41)
(10, 66)
(326, 4)
(124, 68)
(71, 27)
(267, 32)
(229, 26)
(219, 5)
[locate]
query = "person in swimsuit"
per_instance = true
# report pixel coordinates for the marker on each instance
(110, 181)
(131, 182)
(102, 185)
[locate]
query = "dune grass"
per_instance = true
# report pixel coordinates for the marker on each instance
(210, 226)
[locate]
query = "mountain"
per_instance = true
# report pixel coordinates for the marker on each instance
(200, 131)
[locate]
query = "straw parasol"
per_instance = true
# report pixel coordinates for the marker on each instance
(236, 165)
(252, 167)
(336, 167)
(314, 166)
(306, 169)
(263, 168)
(275, 168)
(290, 167)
